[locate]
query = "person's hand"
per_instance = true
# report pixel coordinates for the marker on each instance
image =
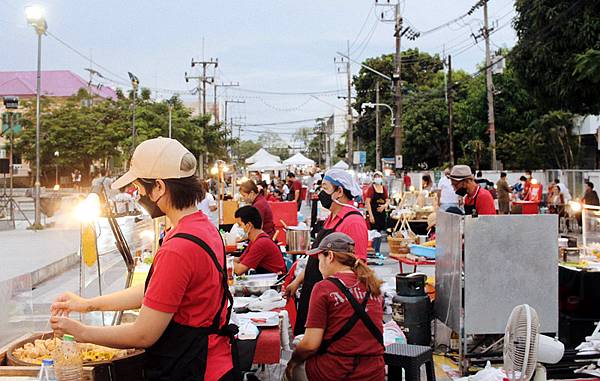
(69, 302)
(371, 219)
(290, 290)
(381, 208)
(62, 325)
(289, 371)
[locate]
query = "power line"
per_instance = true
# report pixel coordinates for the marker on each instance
(362, 26)
(322, 92)
(288, 122)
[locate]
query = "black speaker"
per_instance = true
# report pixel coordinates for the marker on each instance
(4, 166)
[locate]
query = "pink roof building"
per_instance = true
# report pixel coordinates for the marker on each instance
(55, 83)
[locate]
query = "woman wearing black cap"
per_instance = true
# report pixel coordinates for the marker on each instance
(344, 330)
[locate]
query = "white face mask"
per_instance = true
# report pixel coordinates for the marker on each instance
(378, 180)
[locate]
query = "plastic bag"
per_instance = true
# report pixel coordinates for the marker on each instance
(393, 334)
(487, 374)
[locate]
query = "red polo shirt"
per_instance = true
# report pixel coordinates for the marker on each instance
(263, 253)
(186, 283)
(484, 202)
(264, 209)
(354, 226)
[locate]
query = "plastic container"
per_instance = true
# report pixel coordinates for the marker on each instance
(68, 364)
(47, 372)
(422, 251)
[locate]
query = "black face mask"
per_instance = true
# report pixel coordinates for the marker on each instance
(462, 192)
(325, 199)
(151, 206)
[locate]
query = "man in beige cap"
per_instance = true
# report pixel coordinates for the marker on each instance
(185, 303)
(476, 199)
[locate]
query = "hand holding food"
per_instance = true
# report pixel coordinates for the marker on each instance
(69, 302)
(63, 325)
(39, 350)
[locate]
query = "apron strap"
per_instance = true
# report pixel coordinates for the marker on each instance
(360, 313)
(229, 330)
(354, 212)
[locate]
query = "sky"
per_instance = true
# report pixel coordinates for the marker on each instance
(267, 46)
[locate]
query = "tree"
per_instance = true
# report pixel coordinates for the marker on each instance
(552, 34)
(587, 66)
(274, 144)
(101, 135)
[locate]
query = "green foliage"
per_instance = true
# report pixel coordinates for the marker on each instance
(552, 37)
(101, 134)
(587, 66)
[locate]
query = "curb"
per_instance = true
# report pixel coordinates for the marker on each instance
(53, 269)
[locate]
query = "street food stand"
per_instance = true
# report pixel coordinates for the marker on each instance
(579, 277)
(489, 264)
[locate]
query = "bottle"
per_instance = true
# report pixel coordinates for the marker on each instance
(69, 366)
(47, 371)
(454, 341)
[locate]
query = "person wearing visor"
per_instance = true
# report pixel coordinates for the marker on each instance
(377, 201)
(185, 303)
(344, 330)
(338, 190)
(476, 198)
(251, 195)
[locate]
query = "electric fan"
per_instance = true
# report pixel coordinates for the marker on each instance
(524, 347)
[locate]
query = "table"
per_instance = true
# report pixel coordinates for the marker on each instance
(268, 346)
(412, 262)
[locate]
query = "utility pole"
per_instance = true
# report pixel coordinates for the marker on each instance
(215, 86)
(449, 90)
(227, 102)
(349, 105)
(396, 77)
(377, 130)
(204, 79)
(490, 85)
(135, 82)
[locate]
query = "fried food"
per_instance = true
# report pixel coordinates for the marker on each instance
(39, 350)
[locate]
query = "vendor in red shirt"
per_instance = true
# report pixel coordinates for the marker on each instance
(184, 316)
(262, 254)
(250, 194)
(350, 291)
(295, 189)
(338, 190)
(476, 198)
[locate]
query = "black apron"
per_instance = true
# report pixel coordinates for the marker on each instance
(360, 314)
(470, 209)
(378, 200)
(180, 354)
(312, 275)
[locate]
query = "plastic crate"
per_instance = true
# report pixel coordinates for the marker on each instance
(422, 251)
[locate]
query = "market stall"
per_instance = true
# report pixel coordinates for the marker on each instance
(488, 265)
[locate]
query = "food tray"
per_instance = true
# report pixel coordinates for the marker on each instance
(422, 251)
(14, 361)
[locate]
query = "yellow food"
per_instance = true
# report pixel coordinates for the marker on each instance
(39, 350)
(429, 243)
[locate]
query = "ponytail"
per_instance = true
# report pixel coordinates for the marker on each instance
(363, 272)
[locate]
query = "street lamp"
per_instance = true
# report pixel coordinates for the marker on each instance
(35, 18)
(134, 83)
(372, 105)
(56, 184)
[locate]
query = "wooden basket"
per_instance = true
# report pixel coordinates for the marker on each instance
(395, 244)
(14, 361)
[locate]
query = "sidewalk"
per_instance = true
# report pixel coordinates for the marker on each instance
(42, 254)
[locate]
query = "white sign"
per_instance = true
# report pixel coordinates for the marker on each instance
(398, 161)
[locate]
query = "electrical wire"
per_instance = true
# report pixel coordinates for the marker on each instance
(362, 26)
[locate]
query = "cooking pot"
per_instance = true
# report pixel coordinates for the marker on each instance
(297, 238)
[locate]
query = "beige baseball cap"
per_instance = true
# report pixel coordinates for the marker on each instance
(158, 158)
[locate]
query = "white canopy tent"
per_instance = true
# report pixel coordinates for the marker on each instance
(266, 164)
(298, 159)
(260, 155)
(341, 165)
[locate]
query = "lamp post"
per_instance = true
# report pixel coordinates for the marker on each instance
(56, 184)
(35, 18)
(373, 105)
(134, 83)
